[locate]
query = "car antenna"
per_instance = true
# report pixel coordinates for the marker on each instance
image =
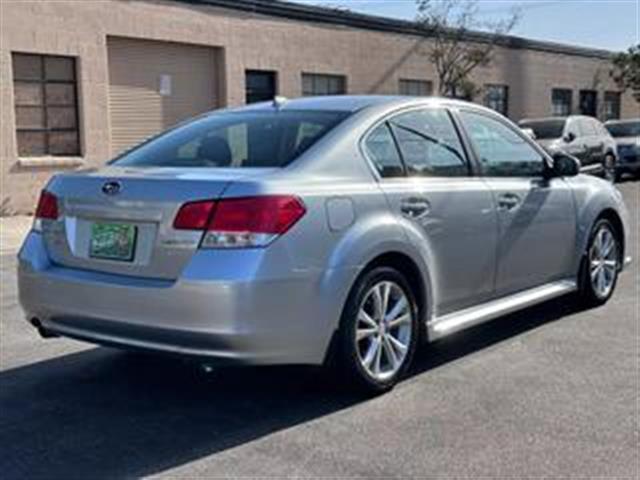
(279, 102)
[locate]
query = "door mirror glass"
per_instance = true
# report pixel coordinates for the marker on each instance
(569, 137)
(565, 165)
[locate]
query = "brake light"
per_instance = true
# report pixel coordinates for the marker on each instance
(47, 208)
(241, 222)
(194, 216)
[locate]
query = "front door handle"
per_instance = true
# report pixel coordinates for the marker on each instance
(415, 207)
(508, 201)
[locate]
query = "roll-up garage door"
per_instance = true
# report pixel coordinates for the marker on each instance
(154, 85)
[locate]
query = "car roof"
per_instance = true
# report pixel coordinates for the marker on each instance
(353, 103)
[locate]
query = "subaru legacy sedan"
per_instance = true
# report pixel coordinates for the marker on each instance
(338, 231)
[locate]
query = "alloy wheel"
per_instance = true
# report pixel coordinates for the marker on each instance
(384, 330)
(603, 262)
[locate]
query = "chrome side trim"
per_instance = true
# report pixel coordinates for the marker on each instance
(453, 322)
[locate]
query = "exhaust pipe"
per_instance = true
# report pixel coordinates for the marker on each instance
(44, 333)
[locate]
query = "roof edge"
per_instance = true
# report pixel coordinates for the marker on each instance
(318, 14)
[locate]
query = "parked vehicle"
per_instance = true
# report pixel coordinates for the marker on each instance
(583, 137)
(335, 230)
(627, 136)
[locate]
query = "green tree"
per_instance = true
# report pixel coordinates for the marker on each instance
(626, 71)
(457, 49)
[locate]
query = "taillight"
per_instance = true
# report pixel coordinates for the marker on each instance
(241, 222)
(47, 208)
(194, 216)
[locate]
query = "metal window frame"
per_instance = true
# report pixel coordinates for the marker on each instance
(315, 77)
(563, 91)
(43, 81)
(503, 89)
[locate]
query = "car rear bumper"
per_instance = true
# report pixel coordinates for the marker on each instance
(246, 320)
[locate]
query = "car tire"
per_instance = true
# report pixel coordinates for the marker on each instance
(618, 176)
(609, 168)
(600, 265)
(367, 342)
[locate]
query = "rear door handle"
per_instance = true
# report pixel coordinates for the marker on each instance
(508, 201)
(415, 207)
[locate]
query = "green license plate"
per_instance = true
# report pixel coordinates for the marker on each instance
(113, 241)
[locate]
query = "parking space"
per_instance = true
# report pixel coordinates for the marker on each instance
(550, 391)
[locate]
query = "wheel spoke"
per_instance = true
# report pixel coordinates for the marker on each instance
(377, 303)
(396, 322)
(397, 344)
(608, 246)
(386, 291)
(602, 281)
(595, 272)
(378, 358)
(365, 333)
(390, 353)
(398, 308)
(365, 318)
(372, 351)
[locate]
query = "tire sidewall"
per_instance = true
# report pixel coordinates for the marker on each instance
(348, 358)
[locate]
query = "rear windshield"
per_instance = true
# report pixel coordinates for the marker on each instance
(626, 129)
(545, 129)
(250, 139)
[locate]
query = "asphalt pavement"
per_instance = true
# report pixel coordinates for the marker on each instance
(548, 392)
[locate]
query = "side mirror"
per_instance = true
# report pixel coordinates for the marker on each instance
(565, 165)
(569, 137)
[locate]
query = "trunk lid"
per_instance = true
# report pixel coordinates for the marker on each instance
(129, 230)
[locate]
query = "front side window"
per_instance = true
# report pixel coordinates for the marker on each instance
(501, 150)
(320, 84)
(383, 152)
(497, 98)
(251, 139)
(429, 144)
(561, 102)
(45, 105)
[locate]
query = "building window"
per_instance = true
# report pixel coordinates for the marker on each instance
(611, 105)
(260, 86)
(497, 98)
(319, 84)
(416, 88)
(589, 103)
(46, 105)
(561, 102)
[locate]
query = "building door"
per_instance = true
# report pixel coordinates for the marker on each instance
(589, 103)
(260, 86)
(155, 85)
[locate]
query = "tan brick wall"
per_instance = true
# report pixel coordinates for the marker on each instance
(373, 62)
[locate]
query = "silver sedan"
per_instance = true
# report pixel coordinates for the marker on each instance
(337, 230)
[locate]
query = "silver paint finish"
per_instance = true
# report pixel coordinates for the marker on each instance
(282, 304)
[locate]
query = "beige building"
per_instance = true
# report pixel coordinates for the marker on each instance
(82, 80)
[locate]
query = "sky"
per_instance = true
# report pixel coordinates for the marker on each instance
(607, 24)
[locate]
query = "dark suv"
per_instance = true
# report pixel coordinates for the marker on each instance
(627, 135)
(583, 137)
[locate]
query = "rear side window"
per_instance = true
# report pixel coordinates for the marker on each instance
(383, 152)
(429, 144)
(252, 139)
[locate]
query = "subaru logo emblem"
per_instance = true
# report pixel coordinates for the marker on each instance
(111, 188)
